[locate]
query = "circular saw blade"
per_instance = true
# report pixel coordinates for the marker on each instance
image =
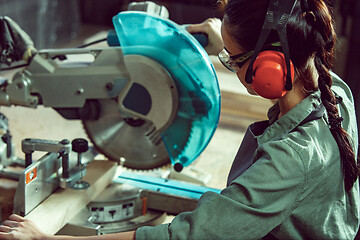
(118, 139)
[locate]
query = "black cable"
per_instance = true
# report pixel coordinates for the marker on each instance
(92, 43)
(14, 67)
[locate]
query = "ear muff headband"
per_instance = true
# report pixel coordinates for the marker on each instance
(276, 18)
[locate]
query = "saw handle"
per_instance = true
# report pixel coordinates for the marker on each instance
(202, 38)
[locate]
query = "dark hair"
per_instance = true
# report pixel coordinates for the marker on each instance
(311, 27)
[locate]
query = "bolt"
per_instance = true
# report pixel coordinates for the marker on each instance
(19, 85)
(79, 91)
(109, 86)
(32, 102)
(64, 141)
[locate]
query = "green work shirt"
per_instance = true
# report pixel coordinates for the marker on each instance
(293, 190)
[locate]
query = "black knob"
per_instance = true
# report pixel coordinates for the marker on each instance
(178, 167)
(80, 145)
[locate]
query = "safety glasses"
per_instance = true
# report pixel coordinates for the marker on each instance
(235, 62)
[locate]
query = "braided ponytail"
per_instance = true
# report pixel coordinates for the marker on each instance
(348, 159)
(325, 36)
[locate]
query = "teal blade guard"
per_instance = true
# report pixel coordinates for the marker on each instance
(192, 71)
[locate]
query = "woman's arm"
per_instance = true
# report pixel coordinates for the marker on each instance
(20, 228)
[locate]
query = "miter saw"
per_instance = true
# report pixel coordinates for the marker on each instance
(152, 100)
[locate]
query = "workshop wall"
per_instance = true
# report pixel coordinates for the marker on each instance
(53, 23)
(181, 11)
(351, 14)
(49, 23)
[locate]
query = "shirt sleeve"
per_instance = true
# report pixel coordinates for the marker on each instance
(254, 204)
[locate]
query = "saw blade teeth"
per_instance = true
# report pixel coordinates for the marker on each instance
(190, 135)
(163, 168)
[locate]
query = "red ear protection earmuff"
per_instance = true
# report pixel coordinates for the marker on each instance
(269, 74)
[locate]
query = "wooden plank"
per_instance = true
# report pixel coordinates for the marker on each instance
(59, 208)
(239, 110)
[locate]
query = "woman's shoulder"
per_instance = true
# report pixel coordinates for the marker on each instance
(305, 145)
(340, 88)
(346, 107)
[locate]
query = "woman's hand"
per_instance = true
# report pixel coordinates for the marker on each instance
(18, 227)
(212, 27)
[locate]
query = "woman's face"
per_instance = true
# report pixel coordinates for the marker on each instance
(233, 49)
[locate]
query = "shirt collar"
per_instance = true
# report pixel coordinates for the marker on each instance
(289, 121)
